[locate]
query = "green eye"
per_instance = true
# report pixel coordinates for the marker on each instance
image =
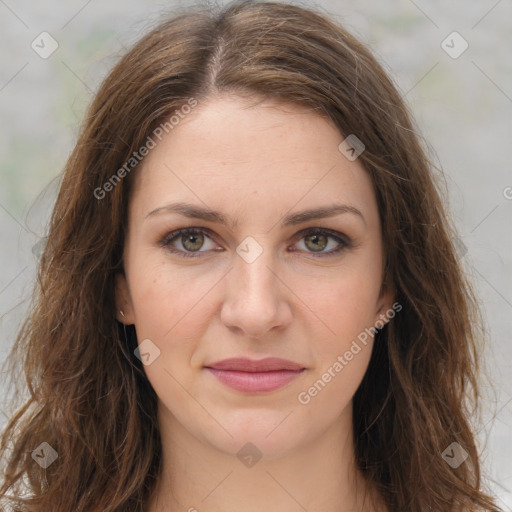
(193, 239)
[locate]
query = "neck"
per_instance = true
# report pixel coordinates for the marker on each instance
(320, 475)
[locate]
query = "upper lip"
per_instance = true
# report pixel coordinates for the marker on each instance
(268, 364)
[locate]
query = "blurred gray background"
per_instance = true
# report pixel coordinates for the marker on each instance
(461, 99)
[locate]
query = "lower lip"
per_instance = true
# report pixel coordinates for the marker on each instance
(251, 382)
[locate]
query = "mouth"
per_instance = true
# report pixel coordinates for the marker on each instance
(255, 376)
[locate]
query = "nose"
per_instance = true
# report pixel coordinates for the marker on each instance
(257, 299)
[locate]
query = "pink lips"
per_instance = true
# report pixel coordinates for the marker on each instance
(250, 375)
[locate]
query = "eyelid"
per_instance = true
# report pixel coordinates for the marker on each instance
(343, 240)
(340, 237)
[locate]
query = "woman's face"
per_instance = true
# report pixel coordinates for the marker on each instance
(267, 283)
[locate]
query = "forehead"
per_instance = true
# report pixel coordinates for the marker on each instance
(249, 157)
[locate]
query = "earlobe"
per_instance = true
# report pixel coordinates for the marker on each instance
(385, 310)
(124, 309)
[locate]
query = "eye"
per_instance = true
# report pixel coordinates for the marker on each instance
(192, 240)
(317, 239)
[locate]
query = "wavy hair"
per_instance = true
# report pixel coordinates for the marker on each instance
(88, 396)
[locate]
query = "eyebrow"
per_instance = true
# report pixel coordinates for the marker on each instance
(207, 214)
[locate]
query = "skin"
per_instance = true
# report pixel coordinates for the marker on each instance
(256, 162)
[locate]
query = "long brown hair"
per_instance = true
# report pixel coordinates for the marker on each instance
(89, 398)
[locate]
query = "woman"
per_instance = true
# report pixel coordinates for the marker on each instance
(249, 298)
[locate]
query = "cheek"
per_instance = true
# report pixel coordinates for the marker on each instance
(332, 387)
(173, 309)
(343, 304)
(347, 308)
(158, 304)
(343, 354)
(167, 300)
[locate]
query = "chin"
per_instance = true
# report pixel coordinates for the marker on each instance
(269, 434)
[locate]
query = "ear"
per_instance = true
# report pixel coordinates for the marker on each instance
(123, 300)
(385, 306)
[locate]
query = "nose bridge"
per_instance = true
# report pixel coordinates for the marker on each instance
(253, 269)
(254, 299)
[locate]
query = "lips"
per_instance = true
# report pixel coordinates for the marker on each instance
(268, 364)
(255, 376)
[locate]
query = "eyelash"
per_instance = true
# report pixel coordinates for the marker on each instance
(171, 237)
